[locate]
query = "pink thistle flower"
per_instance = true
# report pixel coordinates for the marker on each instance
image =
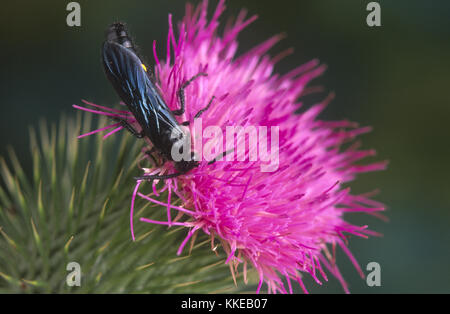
(285, 222)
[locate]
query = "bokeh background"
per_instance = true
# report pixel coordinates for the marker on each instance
(394, 78)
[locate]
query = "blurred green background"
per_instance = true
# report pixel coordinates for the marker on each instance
(393, 78)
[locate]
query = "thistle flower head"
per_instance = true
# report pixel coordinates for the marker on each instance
(285, 221)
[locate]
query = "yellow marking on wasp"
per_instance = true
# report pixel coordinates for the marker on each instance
(144, 67)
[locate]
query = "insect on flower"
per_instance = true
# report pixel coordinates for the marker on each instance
(285, 223)
(135, 84)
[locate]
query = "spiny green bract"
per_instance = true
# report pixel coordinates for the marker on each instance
(76, 209)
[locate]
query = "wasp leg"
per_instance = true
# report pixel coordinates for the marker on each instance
(181, 95)
(129, 127)
(220, 156)
(159, 177)
(200, 112)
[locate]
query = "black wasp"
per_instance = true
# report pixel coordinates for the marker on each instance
(135, 84)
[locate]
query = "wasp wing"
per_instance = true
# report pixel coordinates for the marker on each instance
(129, 77)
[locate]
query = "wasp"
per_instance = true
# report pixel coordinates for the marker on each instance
(136, 86)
